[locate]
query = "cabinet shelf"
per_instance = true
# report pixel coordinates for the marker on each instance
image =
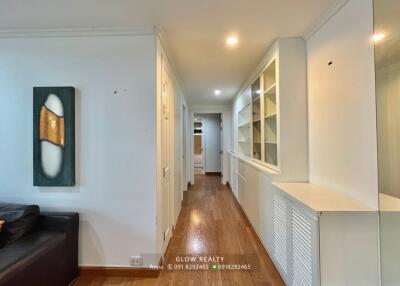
(256, 98)
(246, 124)
(271, 115)
(271, 90)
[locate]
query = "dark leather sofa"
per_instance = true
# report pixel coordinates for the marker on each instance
(47, 254)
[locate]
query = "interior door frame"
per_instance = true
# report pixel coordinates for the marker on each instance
(224, 115)
(222, 144)
(168, 87)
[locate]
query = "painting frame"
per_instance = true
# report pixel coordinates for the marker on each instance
(66, 175)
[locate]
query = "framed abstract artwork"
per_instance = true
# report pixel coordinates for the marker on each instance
(53, 136)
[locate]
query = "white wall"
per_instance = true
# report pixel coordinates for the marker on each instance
(212, 136)
(342, 124)
(115, 137)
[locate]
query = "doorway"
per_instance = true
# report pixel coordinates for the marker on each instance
(184, 152)
(198, 149)
(207, 144)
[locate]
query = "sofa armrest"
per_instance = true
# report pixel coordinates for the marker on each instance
(60, 221)
(68, 223)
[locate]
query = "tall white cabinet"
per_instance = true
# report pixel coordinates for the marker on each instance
(321, 237)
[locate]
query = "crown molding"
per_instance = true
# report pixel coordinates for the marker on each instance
(81, 32)
(324, 18)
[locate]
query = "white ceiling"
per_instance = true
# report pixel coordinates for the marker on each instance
(195, 31)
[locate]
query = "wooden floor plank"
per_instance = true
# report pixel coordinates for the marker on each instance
(210, 223)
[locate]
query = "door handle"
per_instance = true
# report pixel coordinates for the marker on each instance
(165, 171)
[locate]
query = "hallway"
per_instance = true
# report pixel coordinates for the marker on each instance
(212, 225)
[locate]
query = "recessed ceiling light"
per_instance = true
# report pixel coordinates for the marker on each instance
(378, 37)
(217, 92)
(232, 40)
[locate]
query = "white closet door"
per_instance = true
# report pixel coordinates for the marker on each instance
(241, 181)
(295, 242)
(280, 235)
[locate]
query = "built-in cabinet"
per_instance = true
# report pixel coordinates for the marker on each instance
(313, 235)
(276, 96)
(316, 237)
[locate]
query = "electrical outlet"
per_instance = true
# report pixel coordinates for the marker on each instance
(135, 260)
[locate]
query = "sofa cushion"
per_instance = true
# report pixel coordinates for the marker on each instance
(42, 247)
(19, 220)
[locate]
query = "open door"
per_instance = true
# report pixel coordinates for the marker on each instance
(198, 150)
(166, 195)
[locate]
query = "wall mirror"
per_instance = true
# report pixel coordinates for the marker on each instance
(387, 67)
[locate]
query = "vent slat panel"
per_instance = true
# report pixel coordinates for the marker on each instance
(302, 255)
(280, 231)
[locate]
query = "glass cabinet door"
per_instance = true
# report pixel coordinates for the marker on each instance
(256, 118)
(244, 128)
(258, 133)
(270, 115)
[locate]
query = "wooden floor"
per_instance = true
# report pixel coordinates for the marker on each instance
(210, 224)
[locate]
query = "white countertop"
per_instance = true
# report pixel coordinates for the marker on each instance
(319, 199)
(388, 203)
(256, 165)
